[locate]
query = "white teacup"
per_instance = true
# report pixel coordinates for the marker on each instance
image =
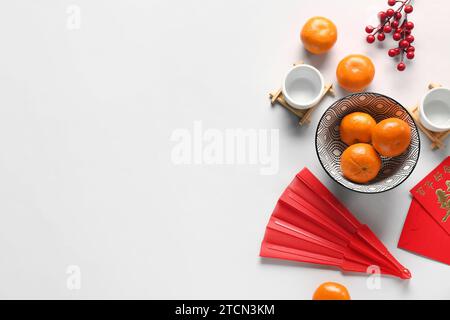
(434, 110)
(303, 86)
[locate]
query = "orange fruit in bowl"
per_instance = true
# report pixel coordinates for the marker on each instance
(356, 128)
(319, 35)
(355, 72)
(360, 163)
(331, 291)
(391, 137)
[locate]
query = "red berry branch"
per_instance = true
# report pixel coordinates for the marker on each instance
(391, 23)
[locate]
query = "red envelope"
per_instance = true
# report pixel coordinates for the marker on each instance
(427, 226)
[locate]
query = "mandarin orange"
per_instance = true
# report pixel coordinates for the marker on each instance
(391, 137)
(357, 128)
(360, 163)
(355, 72)
(331, 291)
(319, 35)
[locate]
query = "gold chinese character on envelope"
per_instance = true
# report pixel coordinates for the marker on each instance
(444, 200)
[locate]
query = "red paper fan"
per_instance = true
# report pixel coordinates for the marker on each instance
(309, 224)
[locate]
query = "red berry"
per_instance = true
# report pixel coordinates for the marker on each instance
(387, 29)
(411, 48)
(392, 53)
(392, 2)
(397, 36)
(399, 30)
(390, 12)
(409, 8)
(409, 25)
(369, 29)
(410, 38)
(395, 24)
(397, 51)
(381, 36)
(401, 66)
(407, 32)
(404, 44)
(410, 55)
(382, 15)
(370, 38)
(398, 15)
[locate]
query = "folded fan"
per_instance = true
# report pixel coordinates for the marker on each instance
(309, 224)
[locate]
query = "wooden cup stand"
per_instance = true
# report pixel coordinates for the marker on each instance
(303, 115)
(437, 138)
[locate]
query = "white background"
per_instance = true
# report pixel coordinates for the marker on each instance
(86, 116)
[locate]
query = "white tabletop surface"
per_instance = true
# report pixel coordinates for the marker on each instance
(91, 94)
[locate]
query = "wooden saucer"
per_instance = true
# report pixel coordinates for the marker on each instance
(437, 138)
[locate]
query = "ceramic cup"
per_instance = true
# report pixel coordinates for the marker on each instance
(303, 86)
(435, 110)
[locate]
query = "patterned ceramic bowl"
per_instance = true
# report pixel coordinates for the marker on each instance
(329, 147)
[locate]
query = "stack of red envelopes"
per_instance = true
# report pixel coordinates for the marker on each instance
(309, 224)
(427, 227)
